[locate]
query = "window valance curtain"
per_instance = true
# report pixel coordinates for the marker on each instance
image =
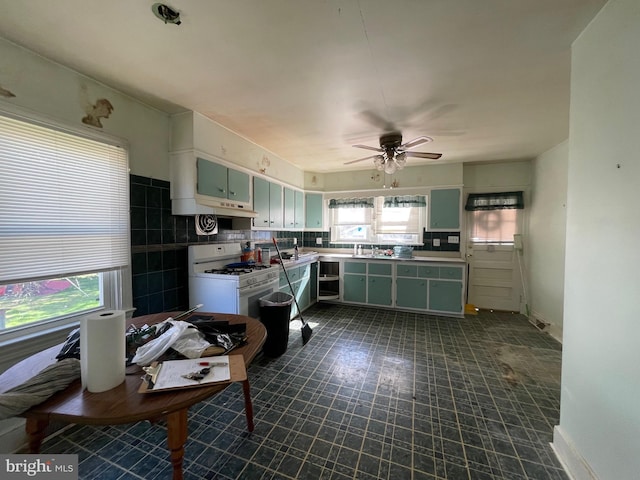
(366, 202)
(405, 201)
(495, 201)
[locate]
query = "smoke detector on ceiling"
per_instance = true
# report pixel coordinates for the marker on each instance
(166, 13)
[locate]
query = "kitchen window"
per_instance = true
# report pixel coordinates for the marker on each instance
(494, 217)
(64, 226)
(397, 220)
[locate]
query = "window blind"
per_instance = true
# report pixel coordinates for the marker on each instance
(64, 203)
(401, 215)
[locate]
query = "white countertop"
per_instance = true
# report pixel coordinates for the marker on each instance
(308, 257)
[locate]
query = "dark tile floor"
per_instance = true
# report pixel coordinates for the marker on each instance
(374, 394)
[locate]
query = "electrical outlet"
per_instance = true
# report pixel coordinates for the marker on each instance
(436, 242)
(295, 240)
(318, 240)
(453, 239)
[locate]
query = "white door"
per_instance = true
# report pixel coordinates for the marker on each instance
(494, 281)
(494, 278)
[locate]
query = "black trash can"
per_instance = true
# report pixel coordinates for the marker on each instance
(275, 311)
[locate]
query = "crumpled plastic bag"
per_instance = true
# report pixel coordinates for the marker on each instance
(153, 349)
(191, 343)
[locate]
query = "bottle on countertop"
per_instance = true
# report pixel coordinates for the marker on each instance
(248, 255)
(258, 255)
(296, 256)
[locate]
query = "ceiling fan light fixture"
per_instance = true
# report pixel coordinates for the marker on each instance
(401, 160)
(390, 167)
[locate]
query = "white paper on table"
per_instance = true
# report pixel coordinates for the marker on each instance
(172, 371)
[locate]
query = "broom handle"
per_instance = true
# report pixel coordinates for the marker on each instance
(293, 294)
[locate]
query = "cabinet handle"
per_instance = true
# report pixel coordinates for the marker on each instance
(221, 190)
(266, 221)
(232, 193)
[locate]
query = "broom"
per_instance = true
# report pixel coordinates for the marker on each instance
(306, 329)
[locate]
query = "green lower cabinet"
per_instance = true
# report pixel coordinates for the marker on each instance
(445, 296)
(355, 288)
(379, 290)
(411, 293)
(303, 294)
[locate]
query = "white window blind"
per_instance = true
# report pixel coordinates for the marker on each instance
(64, 203)
(403, 219)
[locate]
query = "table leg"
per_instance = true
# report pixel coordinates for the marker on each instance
(176, 438)
(248, 406)
(35, 430)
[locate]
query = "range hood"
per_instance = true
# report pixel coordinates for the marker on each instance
(203, 205)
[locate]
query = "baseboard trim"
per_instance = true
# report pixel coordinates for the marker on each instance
(573, 463)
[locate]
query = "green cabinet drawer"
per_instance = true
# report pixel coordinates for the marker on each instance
(452, 273)
(377, 268)
(355, 267)
(428, 271)
(407, 270)
(355, 288)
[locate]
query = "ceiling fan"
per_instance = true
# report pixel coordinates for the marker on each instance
(393, 153)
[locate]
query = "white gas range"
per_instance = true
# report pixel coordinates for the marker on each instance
(222, 283)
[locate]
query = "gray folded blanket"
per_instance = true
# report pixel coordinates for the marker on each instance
(37, 389)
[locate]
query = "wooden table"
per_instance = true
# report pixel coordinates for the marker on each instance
(123, 404)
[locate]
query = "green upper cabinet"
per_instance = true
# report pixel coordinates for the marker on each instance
(238, 183)
(293, 209)
(289, 208)
(261, 201)
(313, 213)
(215, 180)
(298, 216)
(267, 203)
(212, 179)
(444, 209)
(275, 205)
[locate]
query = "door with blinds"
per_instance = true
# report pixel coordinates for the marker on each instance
(494, 276)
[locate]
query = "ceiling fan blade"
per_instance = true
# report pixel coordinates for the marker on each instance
(367, 147)
(360, 160)
(415, 142)
(432, 156)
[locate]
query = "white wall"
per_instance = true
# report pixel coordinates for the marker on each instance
(545, 253)
(599, 426)
(418, 176)
(60, 94)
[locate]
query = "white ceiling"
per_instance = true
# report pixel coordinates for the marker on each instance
(306, 79)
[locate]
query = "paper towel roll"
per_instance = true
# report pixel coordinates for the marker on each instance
(102, 350)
